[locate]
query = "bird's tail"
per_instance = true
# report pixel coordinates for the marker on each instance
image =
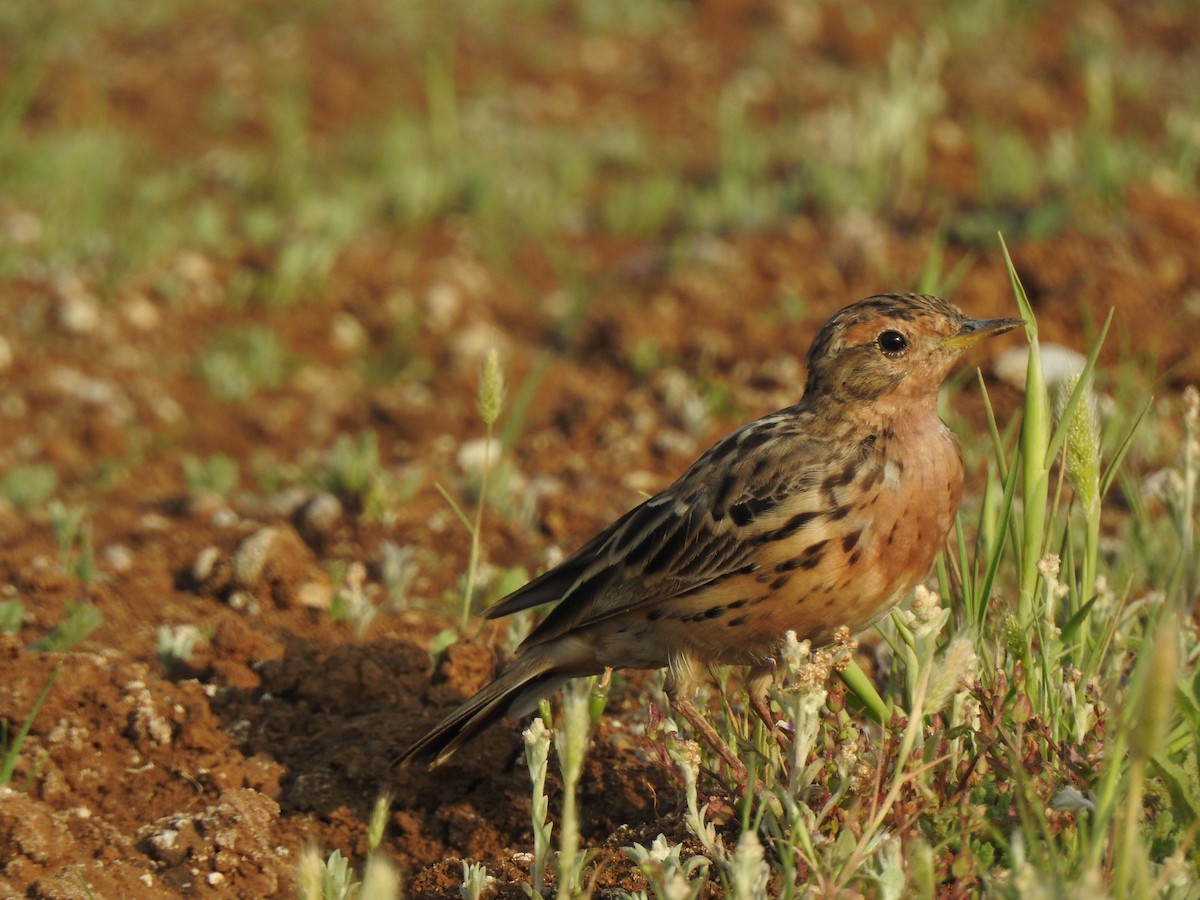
(515, 692)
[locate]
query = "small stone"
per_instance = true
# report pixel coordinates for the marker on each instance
(206, 559)
(193, 268)
(442, 304)
(243, 601)
(320, 513)
(473, 454)
(78, 312)
(251, 556)
(347, 333)
(1059, 363)
(140, 313)
(315, 595)
(119, 557)
(166, 847)
(273, 561)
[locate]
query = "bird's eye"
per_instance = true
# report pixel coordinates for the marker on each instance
(892, 342)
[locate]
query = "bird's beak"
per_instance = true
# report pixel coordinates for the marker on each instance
(975, 330)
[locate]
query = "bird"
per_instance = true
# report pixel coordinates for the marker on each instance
(822, 515)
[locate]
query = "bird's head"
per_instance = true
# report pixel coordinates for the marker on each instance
(892, 349)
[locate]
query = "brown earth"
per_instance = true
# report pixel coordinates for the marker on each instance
(207, 779)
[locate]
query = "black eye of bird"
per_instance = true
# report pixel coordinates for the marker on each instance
(892, 342)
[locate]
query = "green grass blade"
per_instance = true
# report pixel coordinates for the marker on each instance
(13, 751)
(862, 688)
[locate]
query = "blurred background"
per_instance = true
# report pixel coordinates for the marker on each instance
(253, 257)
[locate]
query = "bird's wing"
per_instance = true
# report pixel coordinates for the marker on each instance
(760, 484)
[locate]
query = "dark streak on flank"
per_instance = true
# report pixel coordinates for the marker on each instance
(739, 620)
(842, 478)
(713, 612)
(787, 529)
(872, 478)
(780, 582)
(850, 541)
(811, 557)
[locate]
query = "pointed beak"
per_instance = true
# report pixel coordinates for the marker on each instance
(975, 330)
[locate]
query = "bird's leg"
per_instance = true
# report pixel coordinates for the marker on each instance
(758, 681)
(679, 687)
(683, 704)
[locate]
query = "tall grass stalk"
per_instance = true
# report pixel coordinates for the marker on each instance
(1152, 698)
(537, 755)
(571, 742)
(491, 402)
(1035, 468)
(1188, 579)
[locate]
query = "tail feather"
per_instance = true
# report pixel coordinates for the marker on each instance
(515, 692)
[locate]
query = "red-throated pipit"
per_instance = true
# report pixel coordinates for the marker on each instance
(823, 514)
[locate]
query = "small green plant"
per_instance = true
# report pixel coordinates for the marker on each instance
(571, 742)
(237, 364)
(537, 757)
(173, 645)
(80, 621)
(354, 471)
(218, 474)
(29, 485)
(352, 601)
(333, 879)
(12, 616)
(74, 541)
(397, 568)
(328, 879)
(669, 875)
(475, 881)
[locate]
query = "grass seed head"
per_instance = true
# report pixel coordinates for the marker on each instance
(1081, 450)
(491, 388)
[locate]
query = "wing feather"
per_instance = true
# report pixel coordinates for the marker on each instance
(700, 530)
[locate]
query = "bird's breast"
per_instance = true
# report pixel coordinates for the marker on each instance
(873, 525)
